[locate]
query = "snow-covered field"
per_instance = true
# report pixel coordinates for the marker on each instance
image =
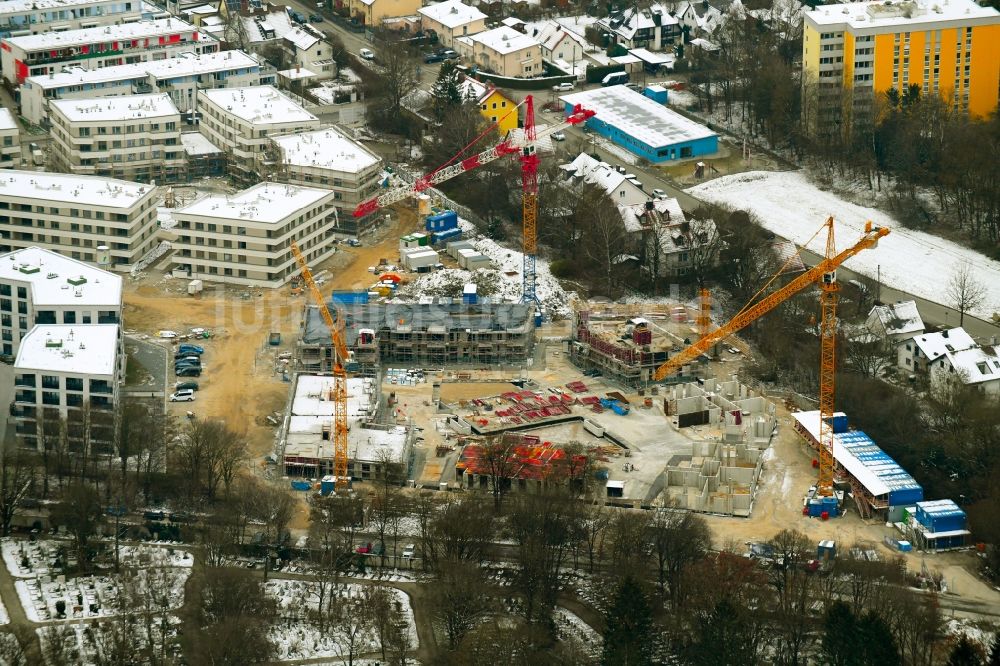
(298, 638)
(505, 278)
(29, 559)
(912, 261)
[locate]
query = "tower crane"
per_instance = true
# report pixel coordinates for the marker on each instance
(825, 275)
(340, 357)
(523, 143)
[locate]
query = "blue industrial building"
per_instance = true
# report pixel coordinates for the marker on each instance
(642, 125)
(940, 525)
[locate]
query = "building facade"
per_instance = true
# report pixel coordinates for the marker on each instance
(452, 19)
(76, 215)
(503, 51)
(134, 137)
(655, 28)
(246, 238)
(373, 12)
(327, 158)
(94, 48)
(10, 140)
(308, 49)
(948, 50)
(32, 292)
(241, 122)
(28, 17)
(180, 77)
(66, 387)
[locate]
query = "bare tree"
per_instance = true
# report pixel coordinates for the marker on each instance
(80, 511)
(16, 475)
(502, 465)
(965, 292)
(869, 355)
(458, 600)
(458, 531)
(678, 538)
(604, 240)
(794, 586)
(397, 79)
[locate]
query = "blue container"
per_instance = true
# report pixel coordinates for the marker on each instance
(442, 221)
(446, 236)
(538, 319)
(656, 93)
(301, 485)
(839, 423)
(347, 297)
(327, 485)
(940, 516)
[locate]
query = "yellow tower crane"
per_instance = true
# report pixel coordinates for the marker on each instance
(340, 357)
(825, 274)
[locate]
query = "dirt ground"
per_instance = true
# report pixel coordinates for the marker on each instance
(728, 160)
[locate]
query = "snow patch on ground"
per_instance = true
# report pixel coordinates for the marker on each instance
(29, 559)
(570, 626)
(957, 627)
(912, 261)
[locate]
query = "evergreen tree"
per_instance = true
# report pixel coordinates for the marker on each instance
(994, 659)
(965, 653)
(840, 635)
(878, 647)
(446, 91)
(627, 639)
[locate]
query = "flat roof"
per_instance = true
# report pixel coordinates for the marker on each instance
(860, 456)
(56, 279)
(504, 40)
(260, 105)
(268, 203)
(72, 189)
(195, 143)
(19, 6)
(89, 349)
(7, 120)
(912, 14)
(183, 64)
(638, 116)
(328, 148)
(120, 107)
(312, 398)
(82, 36)
(452, 13)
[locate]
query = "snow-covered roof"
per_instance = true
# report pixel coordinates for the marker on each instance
(512, 22)
(278, 21)
(452, 13)
(627, 22)
(297, 74)
(595, 172)
(860, 456)
(549, 34)
(652, 58)
(977, 364)
(195, 143)
(914, 14)
(107, 33)
(704, 44)
(328, 148)
(504, 40)
(576, 24)
(900, 318)
(72, 189)
(7, 120)
(268, 203)
(49, 274)
(183, 64)
(259, 105)
(20, 6)
(638, 116)
(312, 398)
(90, 349)
(668, 210)
(302, 38)
(123, 107)
(470, 87)
(936, 345)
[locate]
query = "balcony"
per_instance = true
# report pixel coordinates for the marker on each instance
(100, 386)
(25, 398)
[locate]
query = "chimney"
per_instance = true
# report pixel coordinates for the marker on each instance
(945, 334)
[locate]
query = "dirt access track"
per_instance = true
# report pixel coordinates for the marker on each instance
(241, 382)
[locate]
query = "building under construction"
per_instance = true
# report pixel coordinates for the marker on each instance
(439, 332)
(527, 463)
(625, 349)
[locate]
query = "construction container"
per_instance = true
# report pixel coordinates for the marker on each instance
(349, 297)
(416, 239)
(439, 237)
(195, 287)
(470, 260)
(839, 423)
(425, 259)
(941, 516)
(820, 505)
(366, 336)
(454, 247)
(301, 485)
(826, 550)
(327, 485)
(656, 93)
(470, 294)
(442, 221)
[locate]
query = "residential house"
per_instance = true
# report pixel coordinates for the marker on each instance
(895, 322)
(503, 51)
(623, 189)
(668, 244)
(372, 13)
(27, 17)
(452, 19)
(653, 28)
(308, 50)
(916, 354)
(494, 105)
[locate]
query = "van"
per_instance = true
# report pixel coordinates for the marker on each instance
(614, 79)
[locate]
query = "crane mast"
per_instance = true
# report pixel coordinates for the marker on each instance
(338, 434)
(529, 202)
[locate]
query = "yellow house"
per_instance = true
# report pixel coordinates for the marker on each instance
(947, 48)
(493, 105)
(373, 12)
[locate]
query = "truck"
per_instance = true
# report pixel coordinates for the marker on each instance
(274, 338)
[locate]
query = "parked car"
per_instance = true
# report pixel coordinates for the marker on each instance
(316, 18)
(187, 357)
(153, 515)
(566, 85)
(188, 371)
(186, 386)
(432, 58)
(184, 363)
(167, 334)
(367, 54)
(410, 550)
(181, 517)
(634, 86)
(614, 79)
(298, 17)
(449, 54)
(354, 242)
(184, 395)
(558, 136)
(659, 194)
(186, 348)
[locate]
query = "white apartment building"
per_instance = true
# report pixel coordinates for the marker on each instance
(245, 238)
(75, 215)
(134, 137)
(10, 140)
(70, 372)
(27, 17)
(327, 158)
(94, 48)
(241, 121)
(451, 19)
(180, 77)
(38, 286)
